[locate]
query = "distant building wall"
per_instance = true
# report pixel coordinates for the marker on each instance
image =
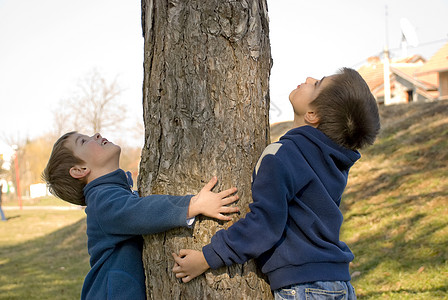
(400, 92)
(420, 98)
(443, 84)
(38, 190)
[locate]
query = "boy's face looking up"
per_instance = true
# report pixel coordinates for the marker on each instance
(301, 98)
(99, 155)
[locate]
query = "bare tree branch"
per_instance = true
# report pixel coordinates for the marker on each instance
(94, 108)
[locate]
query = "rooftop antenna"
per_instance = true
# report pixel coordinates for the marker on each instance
(408, 36)
(386, 70)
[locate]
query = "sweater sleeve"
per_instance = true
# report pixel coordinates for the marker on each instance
(264, 225)
(119, 212)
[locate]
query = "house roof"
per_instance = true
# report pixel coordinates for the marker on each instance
(408, 72)
(410, 59)
(373, 74)
(429, 79)
(437, 63)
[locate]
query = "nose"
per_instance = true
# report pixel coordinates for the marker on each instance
(310, 80)
(97, 136)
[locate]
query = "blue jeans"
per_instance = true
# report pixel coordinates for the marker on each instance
(319, 290)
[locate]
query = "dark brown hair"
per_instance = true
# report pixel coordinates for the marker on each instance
(347, 111)
(57, 173)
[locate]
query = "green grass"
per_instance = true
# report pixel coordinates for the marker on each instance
(43, 254)
(42, 201)
(395, 208)
(396, 212)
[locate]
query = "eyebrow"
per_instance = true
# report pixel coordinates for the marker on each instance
(77, 139)
(320, 81)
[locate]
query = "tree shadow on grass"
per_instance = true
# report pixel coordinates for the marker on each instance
(48, 267)
(396, 203)
(12, 217)
(395, 265)
(407, 235)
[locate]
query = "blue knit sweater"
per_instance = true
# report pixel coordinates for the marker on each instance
(116, 219)
(293, 225)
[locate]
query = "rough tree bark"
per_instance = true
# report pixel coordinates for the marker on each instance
(206, 112)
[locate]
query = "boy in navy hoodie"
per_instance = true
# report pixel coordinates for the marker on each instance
(292, 229)
(85, 170)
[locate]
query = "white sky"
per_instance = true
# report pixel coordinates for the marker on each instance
(47, 46)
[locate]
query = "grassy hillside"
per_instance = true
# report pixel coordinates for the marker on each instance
(43, 254)
(279, 129)
(396, 207)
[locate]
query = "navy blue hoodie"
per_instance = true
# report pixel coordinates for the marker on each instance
(293, 225)
(116, 219)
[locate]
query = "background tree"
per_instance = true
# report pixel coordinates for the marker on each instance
(206, 105)
(32, 157)
(3, 172)
(17, 145)
(94, 107)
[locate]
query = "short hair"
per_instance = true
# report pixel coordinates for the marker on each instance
(57, 173)
(347, 111)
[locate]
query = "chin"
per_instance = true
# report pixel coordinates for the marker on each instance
(118, 149)
(292, 94)
(114, 150)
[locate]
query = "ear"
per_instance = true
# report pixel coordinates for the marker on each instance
(311, 118)
(79, 172)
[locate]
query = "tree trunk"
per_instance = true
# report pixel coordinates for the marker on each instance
(206, 112)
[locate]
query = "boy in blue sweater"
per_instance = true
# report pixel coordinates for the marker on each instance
(292, 229)
(85, 170)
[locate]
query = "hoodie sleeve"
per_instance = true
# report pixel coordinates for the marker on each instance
(263, 226)
(119, 212)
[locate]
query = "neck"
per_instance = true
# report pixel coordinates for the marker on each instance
(101, 172)
(299, 121)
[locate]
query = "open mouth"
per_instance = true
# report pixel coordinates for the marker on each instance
(104, 141)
